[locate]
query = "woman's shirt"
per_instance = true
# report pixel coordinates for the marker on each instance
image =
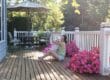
(54, 37)
(61, 49)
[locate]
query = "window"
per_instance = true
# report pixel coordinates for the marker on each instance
(2, 19)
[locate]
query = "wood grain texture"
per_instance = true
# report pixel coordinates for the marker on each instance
(24, 65)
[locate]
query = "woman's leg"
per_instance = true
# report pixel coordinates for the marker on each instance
(54, 54)
(50, 53)
(45, 55)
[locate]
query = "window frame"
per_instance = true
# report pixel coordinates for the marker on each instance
(2, 11)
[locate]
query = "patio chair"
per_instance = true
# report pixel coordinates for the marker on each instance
(13, 41)
(43, 40)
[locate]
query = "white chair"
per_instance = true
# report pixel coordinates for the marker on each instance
(12, 40)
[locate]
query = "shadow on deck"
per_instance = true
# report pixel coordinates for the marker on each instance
(24, 65)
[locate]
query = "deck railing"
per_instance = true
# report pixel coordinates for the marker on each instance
(19, 35)
(85, 40)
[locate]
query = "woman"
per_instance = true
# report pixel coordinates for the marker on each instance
(60, 53)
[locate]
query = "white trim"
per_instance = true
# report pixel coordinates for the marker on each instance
(2, 19)
(3, 27)
(2, 41)
(5, 21)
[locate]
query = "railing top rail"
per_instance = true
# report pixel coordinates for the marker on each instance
(89, 32)
(30, 31)
(69, 32)
(66, 32)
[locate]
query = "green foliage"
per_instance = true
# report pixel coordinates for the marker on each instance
(46, 20)
(55, 16)
(40, 33)
(20, 23)
(85, 12)
(93, 11)
(52, 19)
(69, 13)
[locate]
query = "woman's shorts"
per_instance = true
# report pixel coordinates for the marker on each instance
(61, 58)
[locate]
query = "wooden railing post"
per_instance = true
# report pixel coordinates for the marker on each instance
(15, 36)
(104, 49)
(77, 36)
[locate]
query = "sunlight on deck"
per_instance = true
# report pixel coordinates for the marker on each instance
(24, 65)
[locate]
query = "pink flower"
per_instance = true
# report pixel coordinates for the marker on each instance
(85, 61)
(71, 48)
(46, 49)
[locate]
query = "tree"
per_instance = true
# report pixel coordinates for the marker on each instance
(89, 12)
(50, 19)
(54, 18)
(71, 14)
(94, 11)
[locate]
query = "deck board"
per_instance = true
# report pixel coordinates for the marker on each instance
(56, 71)
(44, 69)
(61, 73)
(36, 70)
(66, 73)
(18, 74)
(51, 76)
(53, 73)
(4, 69)
(14, 70)
(23, 69)
(24, 65)
(9, 74)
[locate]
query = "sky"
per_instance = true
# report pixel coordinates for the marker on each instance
(58, 1)
(13, 1)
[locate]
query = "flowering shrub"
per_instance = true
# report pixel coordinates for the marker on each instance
(71, 48)
(45, 50)
(85, 61)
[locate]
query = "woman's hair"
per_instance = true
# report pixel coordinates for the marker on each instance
(65, 38)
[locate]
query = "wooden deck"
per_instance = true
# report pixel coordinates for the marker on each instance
(24, 65)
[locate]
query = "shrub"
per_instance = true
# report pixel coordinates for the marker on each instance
(71, 48)
(85, 61)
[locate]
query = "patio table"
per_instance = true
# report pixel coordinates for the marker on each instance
(29, 41)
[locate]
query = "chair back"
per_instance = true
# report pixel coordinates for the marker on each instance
(10, 36)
